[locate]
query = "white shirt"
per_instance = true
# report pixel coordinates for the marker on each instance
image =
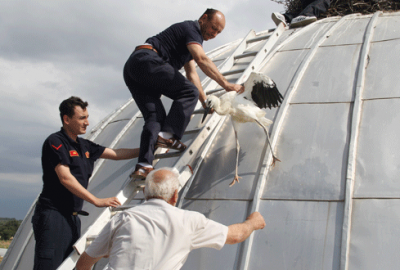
(155, 235)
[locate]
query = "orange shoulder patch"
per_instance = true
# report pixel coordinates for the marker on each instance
(73, 153)
(87, 154)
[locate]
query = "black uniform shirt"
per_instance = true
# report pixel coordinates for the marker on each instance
(171, 43)
(79, 156)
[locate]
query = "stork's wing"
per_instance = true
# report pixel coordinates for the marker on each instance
(266, 94)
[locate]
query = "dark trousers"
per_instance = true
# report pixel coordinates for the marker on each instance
(55, 234)
(148, 77)
(310, 8)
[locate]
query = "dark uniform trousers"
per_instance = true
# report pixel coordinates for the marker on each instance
(148, 77)
(55, 234)
(310, 8)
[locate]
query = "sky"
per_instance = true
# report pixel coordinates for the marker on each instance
(51, 50)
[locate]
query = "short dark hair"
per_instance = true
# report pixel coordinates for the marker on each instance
(210, 13)
(68, 105)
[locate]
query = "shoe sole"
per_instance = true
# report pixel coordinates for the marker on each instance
(166, 147)
(178, 151)
(276, 20)
(135, 176)
(302, 23)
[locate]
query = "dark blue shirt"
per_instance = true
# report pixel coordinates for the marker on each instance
(79, 156)
(171, 43)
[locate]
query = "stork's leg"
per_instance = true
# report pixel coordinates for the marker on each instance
(236, 178)
(274, 158)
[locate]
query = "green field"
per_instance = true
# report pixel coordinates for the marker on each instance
(8, 228)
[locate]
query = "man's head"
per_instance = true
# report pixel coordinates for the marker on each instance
(74, 115)
(163, 184)
(212, 22)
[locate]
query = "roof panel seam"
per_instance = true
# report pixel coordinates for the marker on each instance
(354, 133)
(378, 98)
(327, 102)
(301, 200)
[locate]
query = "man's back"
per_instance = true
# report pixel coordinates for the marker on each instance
(158, 236)
(172, 43)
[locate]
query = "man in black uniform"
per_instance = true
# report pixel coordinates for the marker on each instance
(152, 70)
(67, 162)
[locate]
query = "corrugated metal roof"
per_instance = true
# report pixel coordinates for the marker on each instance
(333, 201)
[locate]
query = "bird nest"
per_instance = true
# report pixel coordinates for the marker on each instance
(344, 7)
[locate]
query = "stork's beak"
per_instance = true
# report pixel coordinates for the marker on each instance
(206, 111)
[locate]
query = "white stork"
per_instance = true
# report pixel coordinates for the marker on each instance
(259, 92)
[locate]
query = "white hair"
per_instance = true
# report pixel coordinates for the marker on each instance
(163, 185)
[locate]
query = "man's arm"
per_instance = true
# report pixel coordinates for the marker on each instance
(237, 233)
(122, 153)
(86, 262)
(211, 70)
(69, 181)
(191, 75)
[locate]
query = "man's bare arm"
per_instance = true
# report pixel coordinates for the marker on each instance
(191, 74)
(237, 233)
(210, 69)
(69, 181)
(118, 154)
(86, 262)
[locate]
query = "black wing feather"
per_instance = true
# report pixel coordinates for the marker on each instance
(266, 95)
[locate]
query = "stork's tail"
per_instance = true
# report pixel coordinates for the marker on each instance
(265, 122)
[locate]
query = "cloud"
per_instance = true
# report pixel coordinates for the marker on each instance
(14, 179)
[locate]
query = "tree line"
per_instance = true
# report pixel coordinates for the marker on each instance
(8, 227)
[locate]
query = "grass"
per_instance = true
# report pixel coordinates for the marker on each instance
(4, 244)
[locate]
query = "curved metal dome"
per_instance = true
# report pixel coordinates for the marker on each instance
(333, 200)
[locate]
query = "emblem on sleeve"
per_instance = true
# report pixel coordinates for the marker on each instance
(73, 153)
(58, 147)
(87, 154)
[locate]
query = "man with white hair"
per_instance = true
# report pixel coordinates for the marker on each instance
(158, 235)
